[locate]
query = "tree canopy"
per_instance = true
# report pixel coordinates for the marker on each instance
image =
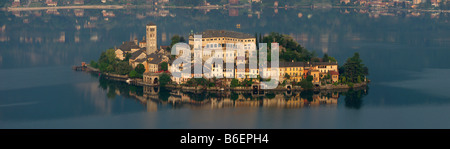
(164, 79)
(354, 70)
(174, 40)
(164, 66)
(290, 49)
(327, 58)
(140, 68)
(109, 63)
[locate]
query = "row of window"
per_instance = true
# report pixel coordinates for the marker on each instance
(229, 39)
(215, 45)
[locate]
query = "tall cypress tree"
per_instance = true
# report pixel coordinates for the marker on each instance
(257, 40)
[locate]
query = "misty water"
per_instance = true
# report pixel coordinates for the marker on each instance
(406, 52)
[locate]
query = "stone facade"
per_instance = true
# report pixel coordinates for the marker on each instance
(151, 38)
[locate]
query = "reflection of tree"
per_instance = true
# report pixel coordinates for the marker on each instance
(247, 95)
(234, 96)
(270, 95)
(197, 96)
(353, 98)
(308, 95)
(164, 94)
(111, 92)
(114, 87)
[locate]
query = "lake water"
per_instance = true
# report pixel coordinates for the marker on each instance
(407, 54)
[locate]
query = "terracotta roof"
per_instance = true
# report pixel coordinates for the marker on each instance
(334, 73)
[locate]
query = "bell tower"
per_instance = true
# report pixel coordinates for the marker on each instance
(151, 38)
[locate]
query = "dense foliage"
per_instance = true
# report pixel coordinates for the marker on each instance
(140, 69)
(164, 79)
(290, 49)
(109, 63)
(307, 83)
(174, 40)
(164, 66)
(353, 71)
(197, 82)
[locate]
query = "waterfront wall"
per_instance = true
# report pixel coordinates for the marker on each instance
(343, 86)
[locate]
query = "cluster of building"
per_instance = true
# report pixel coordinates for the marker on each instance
(220, 39)
(146, 52)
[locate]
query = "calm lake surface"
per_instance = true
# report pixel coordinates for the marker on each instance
(407, 54)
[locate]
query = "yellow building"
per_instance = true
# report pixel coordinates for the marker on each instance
(294, 69)
(316, 76)
(325, 67)
(334, 76)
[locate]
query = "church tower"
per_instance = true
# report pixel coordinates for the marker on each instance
(151, 38)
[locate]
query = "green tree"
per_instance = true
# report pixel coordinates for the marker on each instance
(123, 68)
(291, 50)
(107, 61)
(140, 69)
(325, 58)
(309, 78)
(353, 68)
(164, 79)
(246, 82)
(307, 83)
(133, 74)
(94, 64)
(234, 83)
(174, 40)
(287, 76)
(164, 66)
(201, 81)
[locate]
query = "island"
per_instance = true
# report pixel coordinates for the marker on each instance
(143, 63)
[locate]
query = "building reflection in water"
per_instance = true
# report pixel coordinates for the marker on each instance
(155, 98)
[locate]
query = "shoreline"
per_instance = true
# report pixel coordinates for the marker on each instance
(140, 82)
